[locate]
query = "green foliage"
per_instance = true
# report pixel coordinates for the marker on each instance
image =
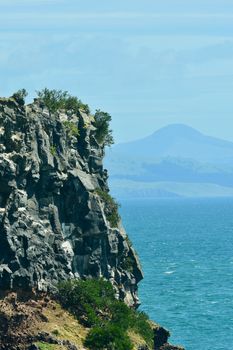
(109, 337)
(56, 332)
(55, 100)
(20, 95)
(93, 302)
(103, 131)
(120, 314)
(71, 128)
(140, 324)
(46, 346)
(128, 264)
(85, 299)
(110, 207)
(53, 150)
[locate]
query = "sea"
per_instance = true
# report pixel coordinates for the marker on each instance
(186, 250)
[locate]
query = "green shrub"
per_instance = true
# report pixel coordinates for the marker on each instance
(88, 300)
(53, 150)
(110, 207)
(103, 132)
(20, 95)
(56, 332)
(140, 324)
(128, 264)
(55, 100)
(121, 314)
(73, 104)
(93, 302)
(109, 337)
(71, 128)
(46, 346)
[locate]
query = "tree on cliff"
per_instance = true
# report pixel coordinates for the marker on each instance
(103, 131)
(58, 99)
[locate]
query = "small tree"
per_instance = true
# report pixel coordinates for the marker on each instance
(20, 96)
(103, 131)
(109, 337)
(53, 99)
(58, 99)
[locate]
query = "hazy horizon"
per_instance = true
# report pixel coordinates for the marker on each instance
(172, 125)
(147, 63)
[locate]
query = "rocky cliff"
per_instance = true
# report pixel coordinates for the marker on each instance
(57, 222)
(55, 216)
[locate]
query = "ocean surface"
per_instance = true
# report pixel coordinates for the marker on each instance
(186, 250)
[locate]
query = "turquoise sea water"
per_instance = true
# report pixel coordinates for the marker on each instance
(186, 250)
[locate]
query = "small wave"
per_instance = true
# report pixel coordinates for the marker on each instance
(169, 272)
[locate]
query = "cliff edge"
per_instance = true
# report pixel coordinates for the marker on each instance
(59, 223)
(55, 213)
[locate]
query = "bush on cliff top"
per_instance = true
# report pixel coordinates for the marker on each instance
(55, 100)
(20, 96)
(93, 303)
(58, 99)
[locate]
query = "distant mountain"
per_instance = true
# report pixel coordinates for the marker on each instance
(176, 154)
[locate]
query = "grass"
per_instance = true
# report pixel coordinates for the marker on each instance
(93, 303)
(46, 346)
(63, 325)
(53, 150)
(136, 339)
(114, 317)
(71, 128)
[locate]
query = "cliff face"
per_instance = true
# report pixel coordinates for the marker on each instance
(54, 220)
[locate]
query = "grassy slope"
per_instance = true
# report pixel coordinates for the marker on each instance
(43, 315)
(64, 326)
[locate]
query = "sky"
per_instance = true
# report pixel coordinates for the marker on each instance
(148, 63)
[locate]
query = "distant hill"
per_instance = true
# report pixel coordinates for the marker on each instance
(176, 160)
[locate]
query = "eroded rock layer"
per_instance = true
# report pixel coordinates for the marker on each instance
(53, 222)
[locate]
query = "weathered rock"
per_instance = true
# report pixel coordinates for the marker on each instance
(161, 336)
(170, 347)
(143, 347)
(52, 221)
(33, 347)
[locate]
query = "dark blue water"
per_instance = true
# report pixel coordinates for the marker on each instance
(186, 250)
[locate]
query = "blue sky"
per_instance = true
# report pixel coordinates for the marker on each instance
(148, 63)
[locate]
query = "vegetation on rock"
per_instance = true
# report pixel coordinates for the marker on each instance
(103, 131)
(20, 96)
(45, 346)
(93, 303)
(109, 337)
(53, 150)
(110, 207)
(58, 99)
(128, 264)
(71, 128)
